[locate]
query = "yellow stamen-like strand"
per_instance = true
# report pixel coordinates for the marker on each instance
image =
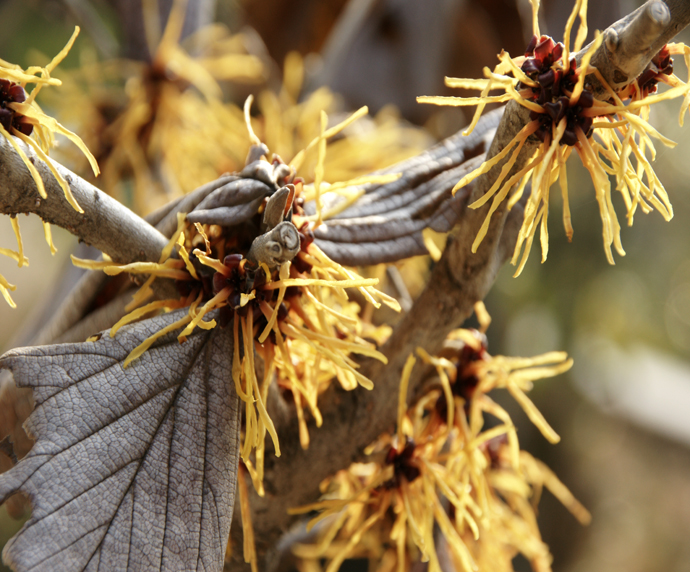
(249, 548)
(402, 396)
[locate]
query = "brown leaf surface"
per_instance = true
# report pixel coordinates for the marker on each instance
(133, 469)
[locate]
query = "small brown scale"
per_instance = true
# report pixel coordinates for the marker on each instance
(662, 64)
(552, 93)
(466, 380)
(404, 464)
(11, 92)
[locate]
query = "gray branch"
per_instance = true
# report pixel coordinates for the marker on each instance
(352, 419)
(355, 419)
(630, 43)
(105, 223)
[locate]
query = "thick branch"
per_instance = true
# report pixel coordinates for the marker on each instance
(633, 41)
(106, 224)
(353, 419)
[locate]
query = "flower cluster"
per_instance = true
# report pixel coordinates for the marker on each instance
(163, 128)
(445, 478)
(160, 129)
(572, 107)
(294, 314)
(660, 70)
(289, 120)
(21, 117)
(552, 88)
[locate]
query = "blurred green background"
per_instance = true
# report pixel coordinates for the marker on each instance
(623, 411)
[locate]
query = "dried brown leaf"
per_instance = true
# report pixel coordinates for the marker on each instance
(133, 469)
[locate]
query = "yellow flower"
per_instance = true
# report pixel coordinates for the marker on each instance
(21, 117)
(161, 127)
(444, 471)
(169, 131)
(296, 316)
(287, 125)
(611, 139)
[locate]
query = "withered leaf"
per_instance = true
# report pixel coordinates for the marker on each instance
(385, 224)
(227, 216)
(133, 469)
(234, 193)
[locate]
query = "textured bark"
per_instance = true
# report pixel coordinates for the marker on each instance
(631, 42)
(105, 223)
(353, 420)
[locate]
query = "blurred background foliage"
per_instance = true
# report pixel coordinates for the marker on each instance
(623, 410)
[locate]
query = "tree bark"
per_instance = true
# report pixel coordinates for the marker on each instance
(352, 420)
(105, 223)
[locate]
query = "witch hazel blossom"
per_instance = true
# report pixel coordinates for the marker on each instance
(285, 300)
(21, 118)
(608, 129)
(444, 477)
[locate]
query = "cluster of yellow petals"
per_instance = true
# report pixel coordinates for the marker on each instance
(621, 146)
(313, 344)
(41, 140)
(313, 347)
(306, 350)
(289, 122)
(173, 131)
(474, 488)
(167, 137)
